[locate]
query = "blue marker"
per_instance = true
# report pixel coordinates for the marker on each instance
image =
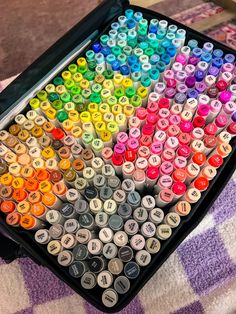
(136, 67)
(124, 70)
(96, 47)
(206, 56)
(131, 24)
(138, 16)
(197, 52)
(154, 59)
(229, 58)
(129, 13)
(106, 51)
(115, 26)
(217, 62)
(132, 60)
(217, 53)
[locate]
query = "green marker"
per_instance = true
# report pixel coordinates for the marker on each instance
(160, 51)
(112, 100)
(42, 95)
(69, 84)
(122, 44)
(146, 81)
(154, 44)
(73, 68)
(58, 81)
(143, 45)
(90, 55)
(62, 116)
(149, 52)
(97, 146)
(119, 92)
(130, 92)
(65, 97)
(104, 39)
(78, 99)
(87, 139)
(82, 69)
(136, 101)
(34, 103)
(108, 74)
(95, 98)
(116, 51)
(75, 90)
(81, 107)
(96, 88)
(57, 104)
(123, 30)
(92, 65)
(89, 75)
(86, 93)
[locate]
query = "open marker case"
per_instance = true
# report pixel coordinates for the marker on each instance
(14, 99)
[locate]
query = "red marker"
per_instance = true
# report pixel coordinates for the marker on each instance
(164, 103)
(200, 184)
(152, 175)
(215, 161)
(117, 162)
(199, 122)
(130, 155)
(199, 159)
(232, 128)
(178, 188)
(147, 129)
(58, 134)
(184, 151)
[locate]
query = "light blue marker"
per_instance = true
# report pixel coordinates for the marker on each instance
(192, 43)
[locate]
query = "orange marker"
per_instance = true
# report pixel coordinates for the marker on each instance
(48, 127)
(29, 222)
(51, 201)
(23, 207)
(31, 185)
(13, 219)
(23, 135)
(41, 174)
(34, 197)
(223, 150)
(11, 141)
(208, 172)
(179, 175)
(201, 184)
(182, 208)
(39, 211)
(8, 207)
(24, 160)
(14, 129)
(78, 165)
(60, 189)
(64, 164)
(19, 195)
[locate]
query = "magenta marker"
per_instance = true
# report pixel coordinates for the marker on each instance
(160, 88)
(152, 175)
(166, 168)
(133, 144)
(177, 66)
(180, 162)
(197, 134)
(190, 69)
(144, 151)
(178, 188)
(135, 133)
(186, 126)
(215, 108)
(227, 67)
(119, 149)
(154, 161)
(200, 87)
(156, 148)
(160, 136)
(203, 111)
(221, 122)
(170, 92)
(169, 74)
(164, 182)
(181, 76)
(162, 124)
(164, 113)
(184, 151)
(171, 83)
(134, 122)
(148, 129)
(152, 119)
(122, 138)
(174, 119)
(181, 88)
(192, 60)
(181, 58)
(172, 142)
(225, 96)
(190, 81)
(168, 155)
(229, 108)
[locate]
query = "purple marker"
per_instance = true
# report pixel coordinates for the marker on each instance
(213, 71)
(234, 117)
(197, 52)
(180, 99)
(193, 60)
(181, 88)
(181, 76)
(190, 69)
(190, 81)
(225, 96)
(200, 87)
(229, 58)
(170, 93)
(227, 67)
(203, 66)
(199, 75)
(192, 93)
(160, 88)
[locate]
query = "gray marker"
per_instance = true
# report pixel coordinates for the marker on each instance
(99, 181)
(95, 246)
(140, 215)
(125, 211)
(172, 219)
(153, 245)
(65, 258)
(125, 254)
(108, 171)
(95, 205)
(77, 269)
(109, 297)
(80, 252)
(148, 229)
(56, 231)
(110, 250)
(131, 227)
(105, 279)
(83, 236)
(106, 235)
(96, 264)
(156, 215)
(163, 232)
(67, 211)
(115, 266)
(148, 202)
(54, 217)
(81, 207)
(122, 284)
(71, 226)
(106, 193)
(81, 184)
(42, 236)
(90, 193)
(101, 219)
(119, 196)
(128, 186)
(68, 241)
(134, 199)
(131, 270)
(115, 222)
(88, 280)
(143, 258)
(86, 221)
(72, 195)
(113, 182)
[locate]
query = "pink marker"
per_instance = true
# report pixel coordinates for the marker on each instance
(164, 198)
(147, 129)
(181, 88)
(227, 67)
(183, 151)
(215, 108)
(221, 122)
(152, 175)
(144, 151)
(133, 144)
(154, 161)
(160, 136)
(168, 155)
(173, 130)
(162, 124)
(164, 113)
(166, 168)
(169, 74)
(180, 76)
(152, 107)
(178, 188)
(153, 98)
(225, 96)
(186, 126)
(119, 149)
(203, 110)
(176, 109)
(164, 182)
(134, 122)
(146, 140)
(174, 119)
(171, 83)
(191, 104)
(172, 142)
(203, 100)
(177, 66)
(141, 113)
(141, 163)
(180, 162)
(122, 138)
(184, 138)
(227, 77)
(156, 148)
(134, 133)
(164, 103)
(181, 58)
(106, 154)
(190, 69)
(170, 92)
(210, 129)
(152, 118)
(229, 108)
(197, 133)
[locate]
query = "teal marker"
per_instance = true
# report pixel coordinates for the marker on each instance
(127, 50)
(90, 55)
(104, 39)
(62, 116)
(122, 58)
(143, 45)
(154, 75)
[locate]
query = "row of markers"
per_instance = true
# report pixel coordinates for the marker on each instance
(141, 112)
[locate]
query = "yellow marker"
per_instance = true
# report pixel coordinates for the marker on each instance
(99, 78)
(14, 169)
(73, 115)
(60, 89)
(45, 186)
(85, 116)
(99, 127)
(64, 164)
(77, 77)
(129, 111)
(123, 101)
(106, 137)
(76, 131)
(92, 107)
(66, 75)
(38, 163)
(37, 131)
(50, 88)
(105, 94)
(69, 106)
(23, 135)
(121, 121)
(127, 82)
(51, 114)
(23, 207)
(67, 125)
(104, 108)
(96, 117)
(142, 92)
(6, 179)
(45, 105)
(31, 115)
(48, 153)
(84, 84)
(117, 109)
(117, 79)
(108, 117)
(108, 84)
(34, 103)
(28, 125)
(113, 128)
(42, 95)
(88, 127)
(82, 62)
(18, 183)
(14, 129)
